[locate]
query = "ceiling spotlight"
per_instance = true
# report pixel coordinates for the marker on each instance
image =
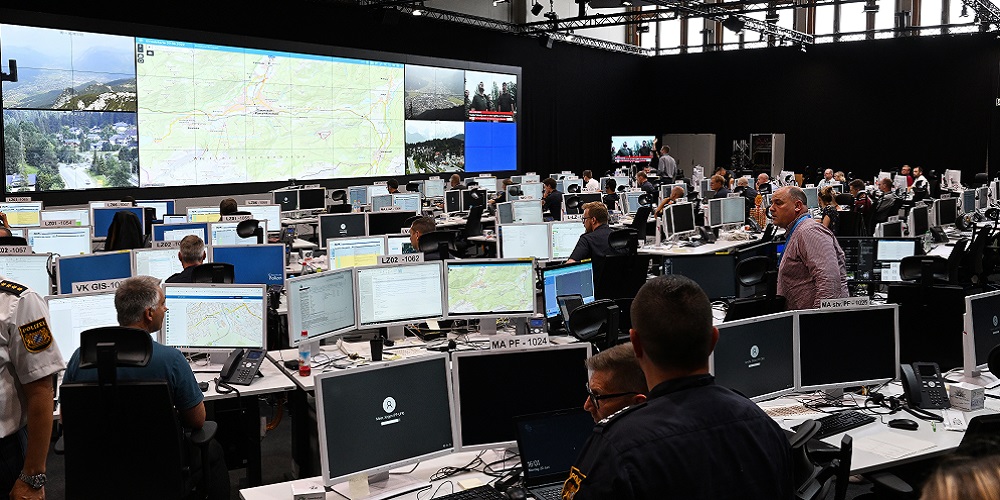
(643, 28)
(498, 2)
(734, 24)
(965, 11)
(771, 17)
(626, 3)
(802, 48)
(536, 8)
(870, 6)
(417, 11)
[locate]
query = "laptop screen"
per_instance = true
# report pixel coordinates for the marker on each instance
(550, 443)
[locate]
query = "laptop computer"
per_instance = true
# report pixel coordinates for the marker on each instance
(549, 444)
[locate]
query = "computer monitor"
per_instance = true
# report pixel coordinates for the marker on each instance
(861, 349)
(103, 216)
(269, 213)
(414, 291)
(968, 201)
(253, 264)
(381, 201)
(224, 233)
(489, 183)
(526, 211)
(161, 207)
(177, 232)
(75, 313)
(723, 211)
(31, 271)
(80, 215)
(982, 198)
(408, 202)
(490, 287)
(388, 222)
(175, 219)
(159, 263)
(714, 273)
(631, 200)
(532, 189)
(64, 241)
(889, 252)
(473, 198)
(918, 223)
(505, 213)
(945, 211)
(22, 213)
(320, 304)
(353, 252)
(568, 279)
(432, 188)
(382, 416)
(204, 214)
(519, 241)
(341, 226)
(398, 244)
(556, 375)
(563, 237)
(678, 219)
(952, 178)
(755, 356)
(812, 196)
(73, 272)
(357, 196)
(312, 198)
(453, 201)
(900, 182)
(287, 198)
(889, 229)
(207, 317)
(982, 332)
(620, 180)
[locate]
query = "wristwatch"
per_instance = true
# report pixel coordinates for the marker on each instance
(36, 481)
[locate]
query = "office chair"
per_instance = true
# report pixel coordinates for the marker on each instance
(596, 322)
(250, 227)
(125, 232)
(625, 317)
(620, 276)
(338, 195)
(409, 220)
(924, 269)
(640, 222)
(515, 190)
(437, 245)
(213, 272)
(128, 429)
(13, 241)
(752, 272)
(815, 476)
(572, 204)
(624, 241)
(844, 199)
(573, 188)
(412, 187)
(473, 227)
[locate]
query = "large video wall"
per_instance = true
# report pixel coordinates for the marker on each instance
(92, 110)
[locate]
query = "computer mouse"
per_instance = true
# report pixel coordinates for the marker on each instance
(903, 423)
(203, 386)
(516, 493)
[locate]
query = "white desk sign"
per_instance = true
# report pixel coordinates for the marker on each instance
(573, 217)
(167, 244)
(406, 258)
(526, 197)
(59, 223)
(310, 186)
(235, 218)
(258, 202)
(390, 208)
(15, 250)
(379, 183)
(518, 341)
(844, 303)
(97, 286)
(18, 199)
(118, 204)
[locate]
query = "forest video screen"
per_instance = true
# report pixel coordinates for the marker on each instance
(91, 110)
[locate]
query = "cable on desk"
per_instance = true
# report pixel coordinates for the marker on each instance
(436, 490)
(446, 472)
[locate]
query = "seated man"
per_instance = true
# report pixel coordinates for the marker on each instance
(718, 184)
(141, 304)
(764, 185)
(749, 193)
(392, 185)
(691, 439)
(616, 381)
(676, 195)
(611, 198)
(644, 184)
(228, 206)
(420, 227)
(594, 242)
(885, 207)
(191, 255)
(552, 199)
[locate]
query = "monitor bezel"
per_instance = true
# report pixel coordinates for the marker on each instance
(417, 195)
(321, 417)
(379, 324)
(211, 210)
(234, 224)
(319, 228)
(298, 197)
(552, 240)
(41, 208)
(88, 230)
(271, 225)
(969, 364)
(172, 227)
(548, 238)
(550, 269)
(284, 267)
(473, 262)
(137, 251)
(60, 260)
(385, 247)
(68, 353)
(161, 335)
(295, 334)
(47, 257)
(795, 348)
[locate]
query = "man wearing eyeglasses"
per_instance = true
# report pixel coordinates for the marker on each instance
(616, 382)
(691, 439)
(594, 242)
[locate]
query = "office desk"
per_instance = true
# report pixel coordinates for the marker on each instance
(453, 222)
(423, 472)
(707, 248)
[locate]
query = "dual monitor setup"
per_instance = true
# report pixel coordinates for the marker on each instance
(874, 261)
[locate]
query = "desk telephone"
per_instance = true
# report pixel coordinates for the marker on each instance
(242, 366)
(923, 386)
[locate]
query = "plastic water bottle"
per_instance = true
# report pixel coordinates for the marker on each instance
(304, 353)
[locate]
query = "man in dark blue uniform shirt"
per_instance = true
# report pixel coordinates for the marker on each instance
(552, 199)
(643, 182)
(594, 242)
(691, 439)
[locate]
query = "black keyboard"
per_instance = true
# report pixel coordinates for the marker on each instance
(840, 422)
(484, 492)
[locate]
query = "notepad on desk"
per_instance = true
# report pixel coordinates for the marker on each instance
(891, 445)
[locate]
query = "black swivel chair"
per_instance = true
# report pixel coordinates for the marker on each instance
(624, 241)
(213, 272)
(640, 222)
(572, 203)
(752, 272)
(249, 228)
(125, 232)
(573, 188)
(596, 322)
(473, 227)
(412, 187)
(128, 429)
(437, 245)
(814, 476)
(13, 241)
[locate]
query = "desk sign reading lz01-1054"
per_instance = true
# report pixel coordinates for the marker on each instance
(406, 258)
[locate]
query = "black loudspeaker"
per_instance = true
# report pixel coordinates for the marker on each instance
(993, 361)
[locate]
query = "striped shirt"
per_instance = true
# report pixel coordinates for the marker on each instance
(812, 267)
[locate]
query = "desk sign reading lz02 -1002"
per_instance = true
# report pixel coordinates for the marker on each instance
(406, 258)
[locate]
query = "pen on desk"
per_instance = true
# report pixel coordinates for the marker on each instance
(933, 426)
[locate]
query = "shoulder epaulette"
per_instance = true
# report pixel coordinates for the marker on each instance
(610, 419)
(15, 289)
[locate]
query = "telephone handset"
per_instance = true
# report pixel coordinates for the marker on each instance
(242, 366)
(923, 386)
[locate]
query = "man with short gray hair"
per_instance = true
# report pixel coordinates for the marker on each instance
(191, 254)
(616, 381)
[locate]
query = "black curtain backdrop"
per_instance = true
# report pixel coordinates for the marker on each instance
(859, 107)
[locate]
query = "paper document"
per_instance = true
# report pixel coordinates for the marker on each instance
(891, 445)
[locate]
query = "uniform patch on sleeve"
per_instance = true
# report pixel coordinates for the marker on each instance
(572, 484)
(36, 335)
(12, 288)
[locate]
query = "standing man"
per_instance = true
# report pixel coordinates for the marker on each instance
(479, 101)
(29, 358)
(140, 304)
(552, 198)
(667, 165)
(594, 242)
(643, 182)
(505, 102)
(827, 179)
(616, 381)
(812, 266)
(691, 439)
(191, 255)
(589, 182)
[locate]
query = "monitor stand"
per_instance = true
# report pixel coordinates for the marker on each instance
(213, 362)
(976, 377)
(488, 325)
(378, 486)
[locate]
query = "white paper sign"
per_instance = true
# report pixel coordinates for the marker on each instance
(59, 223)
(406, 258)
(845, 303)
(258, 202)
(97, 286)
(518, 341)
(18, 199)
(167, 244)
(15, 250)
(235, 218)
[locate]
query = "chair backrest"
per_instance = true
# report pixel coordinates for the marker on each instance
(844, 199)
(250, 227)
(596, 322)
(213, 272)
(641, 221)
(624, 241)
(436, 245)
(14, 241)
(125, 232)
(815, 479)
(340, 195)
(474, 222)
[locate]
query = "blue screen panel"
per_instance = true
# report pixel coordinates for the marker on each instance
(254, 264)
(96, 267)
(177, 232)
(103, 217)
(490, 146)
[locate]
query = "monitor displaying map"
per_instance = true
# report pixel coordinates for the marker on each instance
(210, 316)
(493, 287)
